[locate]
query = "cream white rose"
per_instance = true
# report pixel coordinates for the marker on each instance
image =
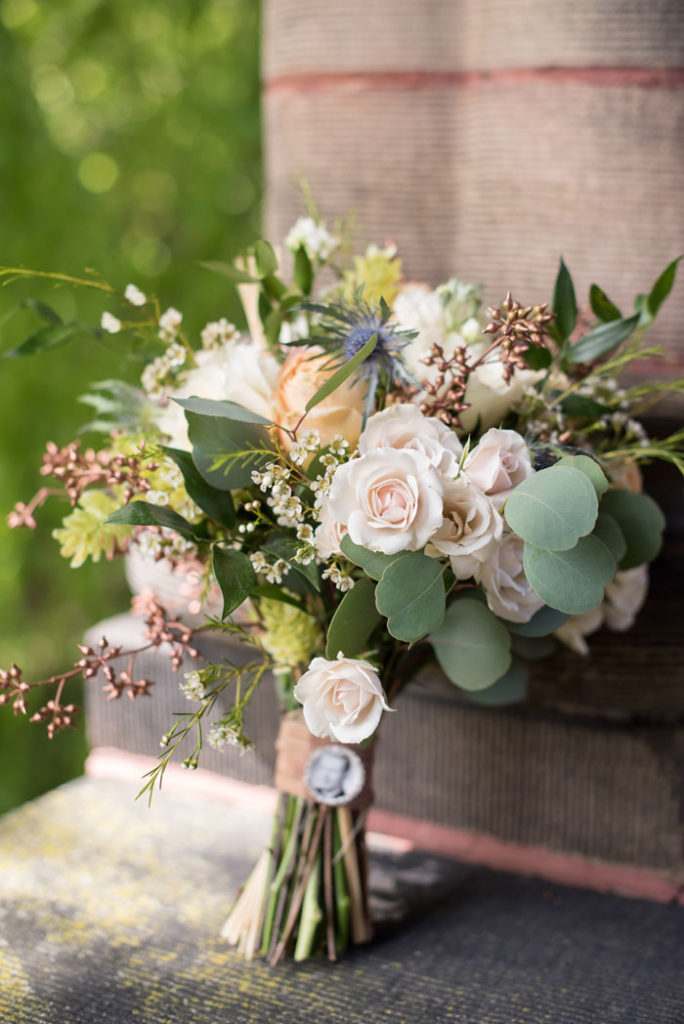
(573, 632)
(499, 463)
(389, 500)
(236, 372)
(342, 699)
(507, 589)
(490, 396)
(405, 427)
(624, 597)
(471, 527)
(328, 534)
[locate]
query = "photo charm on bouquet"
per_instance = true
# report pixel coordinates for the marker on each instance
(374, 476)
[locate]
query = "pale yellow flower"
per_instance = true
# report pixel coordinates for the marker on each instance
(83, 533)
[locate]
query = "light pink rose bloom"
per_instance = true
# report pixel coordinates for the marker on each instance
(471, 527)
(507, 589)
(329, 533)
(499, 463)
(405, 427)
(389, 500)
(343, 699)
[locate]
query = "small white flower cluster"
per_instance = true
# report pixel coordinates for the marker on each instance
(341, 580)
(631, 427)
(273, 571)
(282, 499)
(169, 324)
(193, 687)
(228, 733)
(309, 442)
(167, 544)
(307, 552)
(134, 295)
(160, 372)
(317, 241)
(218, 333)
(110, 323)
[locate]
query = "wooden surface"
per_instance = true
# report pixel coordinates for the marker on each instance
(110, 913)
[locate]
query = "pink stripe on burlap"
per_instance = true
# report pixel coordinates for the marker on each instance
(316, 81)
(404, 833)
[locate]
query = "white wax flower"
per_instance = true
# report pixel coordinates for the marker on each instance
(499, 463)
(507, 589)
(134, 295)
(389, 500)
(471, 527)
(169, 322)
(490, 396)
(238, 372)
(110, 323)
(406, 428)
(342, 699)
(316, 239)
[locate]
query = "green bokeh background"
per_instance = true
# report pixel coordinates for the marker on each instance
(129, 143)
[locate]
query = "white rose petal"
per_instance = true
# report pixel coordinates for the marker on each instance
(389, 500)
(507, 589)
(624, 597)
(573, 632)
(490, 396)
(471, 527)
(499, 463)
(329, 534)
(406, 428)
(342, 699)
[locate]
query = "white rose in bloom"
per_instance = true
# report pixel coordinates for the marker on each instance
(509, 594)
(237, 372)
(389, 500)
(573, 632)
(624, 597)
(343, 699)
(471, 527)
(499, 463)
(405, 427)
(490, 397)
(328, 535)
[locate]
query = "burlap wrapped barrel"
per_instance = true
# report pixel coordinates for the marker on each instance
(486, 137)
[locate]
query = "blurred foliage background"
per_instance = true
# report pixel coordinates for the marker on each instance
(129, 143)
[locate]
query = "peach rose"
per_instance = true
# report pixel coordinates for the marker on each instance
(304, 371)
(498, 464)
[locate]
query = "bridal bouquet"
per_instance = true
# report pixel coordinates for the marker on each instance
(375, 475)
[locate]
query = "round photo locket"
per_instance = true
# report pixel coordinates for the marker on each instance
(334, 775)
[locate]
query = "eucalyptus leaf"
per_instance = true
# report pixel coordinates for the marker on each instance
(411, 596)
(510, 688)
(572, 581)
(472, 645)
(373, 563)
(221, 409)
(235, 576)
(602, 340)
(553, 508)
(218, 505)
(590, 468)
(564, 302)
(546, 620)
(227, 451)
(353, 622)
(333, 382)
(143, 513)
(533, 648)
(662, 287)
(604, 309)
(609, 533)
(641, 522)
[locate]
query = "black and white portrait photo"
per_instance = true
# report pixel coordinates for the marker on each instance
(334, 775)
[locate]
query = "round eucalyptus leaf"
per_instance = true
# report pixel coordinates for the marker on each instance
(510, 688)
(553, 508)
(411, 596)
(572, 581)
(590, 468)
(610, 534)
(641, 522)
(472, 645)
(545, 621)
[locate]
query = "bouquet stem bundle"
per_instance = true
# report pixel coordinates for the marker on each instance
(308, 892)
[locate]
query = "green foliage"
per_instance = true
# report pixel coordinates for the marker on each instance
(472, 645)
(338, 378)
(143, 513)
(411, 596)
(553, 508)
(602, 340)
(227, 451)
(573, 580)
(373, 563)
(222, 409)
(604, 309)
(234, 575)
(545, 621)
(218, 505)
(641, 523)
(510, 688)
(591, 470)
(353, 622)
(129, 142)
(564, 303)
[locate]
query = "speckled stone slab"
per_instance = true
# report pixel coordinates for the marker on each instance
(110, 914)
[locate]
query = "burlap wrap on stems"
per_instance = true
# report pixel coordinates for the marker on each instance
(295, 745)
